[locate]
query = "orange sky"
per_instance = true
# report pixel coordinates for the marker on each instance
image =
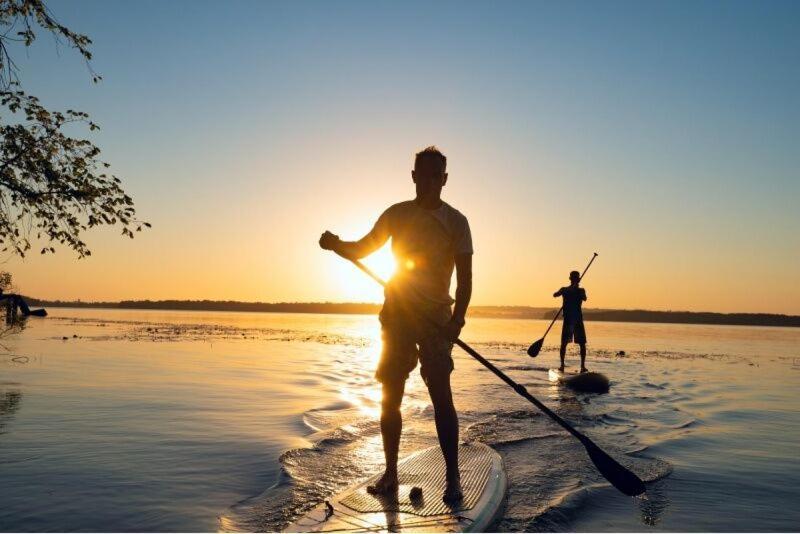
(260, 245)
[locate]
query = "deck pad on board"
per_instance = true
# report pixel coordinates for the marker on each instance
(483, 482)
(427, 471)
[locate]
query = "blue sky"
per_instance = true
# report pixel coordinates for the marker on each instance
(663, 135)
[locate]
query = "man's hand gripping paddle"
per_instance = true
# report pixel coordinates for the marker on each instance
(619, 476)
(536, 346)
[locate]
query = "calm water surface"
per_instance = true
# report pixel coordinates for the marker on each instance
(116, 420)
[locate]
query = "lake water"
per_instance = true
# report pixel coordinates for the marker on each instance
(117, 420)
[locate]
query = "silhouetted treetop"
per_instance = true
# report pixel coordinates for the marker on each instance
(53, 187)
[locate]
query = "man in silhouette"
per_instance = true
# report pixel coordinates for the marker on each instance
(572, 329)
(429, 239)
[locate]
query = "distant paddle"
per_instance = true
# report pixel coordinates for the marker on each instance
(536, 346)
(618, 475)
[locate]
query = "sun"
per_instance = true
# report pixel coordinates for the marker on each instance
(355, 286)
(382, 263)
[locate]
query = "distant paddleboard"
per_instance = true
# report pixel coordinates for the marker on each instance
(586, 382)
(483, 480)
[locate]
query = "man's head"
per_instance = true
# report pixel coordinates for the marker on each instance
(429, 173)
(574, 277)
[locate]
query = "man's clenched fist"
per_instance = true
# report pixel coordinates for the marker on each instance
(328, 241)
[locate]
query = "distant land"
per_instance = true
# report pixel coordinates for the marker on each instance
(498, 312)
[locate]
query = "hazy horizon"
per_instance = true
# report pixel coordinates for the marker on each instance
(663, 136)
(378, 303)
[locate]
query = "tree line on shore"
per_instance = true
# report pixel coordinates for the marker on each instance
(499, 312)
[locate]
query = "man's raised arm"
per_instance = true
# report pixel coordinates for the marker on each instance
(355, 250)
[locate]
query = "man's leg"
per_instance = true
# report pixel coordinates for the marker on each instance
(563, 353)
(447, 430)
(583, 357)
(391, 427)
(435, 354)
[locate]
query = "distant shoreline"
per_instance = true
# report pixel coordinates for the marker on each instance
(496, 312)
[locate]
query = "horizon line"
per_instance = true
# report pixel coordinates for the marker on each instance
(518, 307)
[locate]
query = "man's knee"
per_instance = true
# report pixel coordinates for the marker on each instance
(440, 392)
(392, 396)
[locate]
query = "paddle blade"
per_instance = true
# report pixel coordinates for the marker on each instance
(533, 350)
(620, 477)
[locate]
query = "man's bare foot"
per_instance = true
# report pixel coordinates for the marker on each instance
(561, 368)
(584, 370)
(452, 491)
(386, 485)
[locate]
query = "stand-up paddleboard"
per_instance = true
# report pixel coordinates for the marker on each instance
(483, 481)
(587, 382)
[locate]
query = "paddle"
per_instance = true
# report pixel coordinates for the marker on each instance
(618, 475)
(536, 346)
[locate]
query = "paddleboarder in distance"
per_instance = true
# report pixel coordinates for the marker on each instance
(429, 239)
(572, 329)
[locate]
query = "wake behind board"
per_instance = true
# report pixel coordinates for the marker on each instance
(483, 480)
(586, 382)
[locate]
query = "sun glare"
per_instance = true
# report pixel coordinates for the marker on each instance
(382, 263)
(355, 286)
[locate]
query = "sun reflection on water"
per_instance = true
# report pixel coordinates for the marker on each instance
(366, 399)
(366, 396)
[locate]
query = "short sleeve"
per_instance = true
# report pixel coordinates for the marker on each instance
(463, 242)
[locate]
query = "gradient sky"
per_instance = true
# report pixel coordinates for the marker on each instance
(662, 135)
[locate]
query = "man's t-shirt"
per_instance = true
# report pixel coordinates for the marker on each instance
(573, 298)
(425, 244)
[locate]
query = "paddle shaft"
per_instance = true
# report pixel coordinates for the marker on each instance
(562, 307)
(520, 390)
(486, 363)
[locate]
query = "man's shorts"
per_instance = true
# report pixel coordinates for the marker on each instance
(573, 333)
(408, 337)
